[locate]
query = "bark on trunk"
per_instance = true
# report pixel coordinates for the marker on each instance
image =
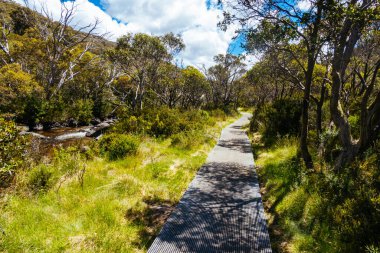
(341, 121)
(369, 124)
(313, 51)
(344, 47)
(319, 107)
(305, 119)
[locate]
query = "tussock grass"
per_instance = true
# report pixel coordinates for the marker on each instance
(118, 207)
(290, 205)
(320, 210)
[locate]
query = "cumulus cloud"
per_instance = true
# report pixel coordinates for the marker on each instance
(85, 13)
(191, 18)
(304, 5)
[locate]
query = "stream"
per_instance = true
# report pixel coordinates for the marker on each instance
(64, 137)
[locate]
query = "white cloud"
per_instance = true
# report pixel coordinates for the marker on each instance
(304, 5)
(85, 13)
(190, 18)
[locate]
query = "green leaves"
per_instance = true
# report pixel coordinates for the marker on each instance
(12, 148)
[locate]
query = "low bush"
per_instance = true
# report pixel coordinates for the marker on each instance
(189, 139)
(40, 178)
(81, 111)
(117, 146)
(218, 113)
(281, 118)
(164, 122)
(67, 161)
(323, 210)
(12, 151)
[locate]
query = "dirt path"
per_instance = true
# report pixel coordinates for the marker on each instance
(222, 210)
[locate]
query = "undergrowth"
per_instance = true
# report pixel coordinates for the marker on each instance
(111, 197)
(320, 210)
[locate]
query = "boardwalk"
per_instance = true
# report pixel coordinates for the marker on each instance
(222, 209)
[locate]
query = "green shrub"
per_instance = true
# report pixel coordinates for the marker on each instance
(281, 118)
(132, 124)
(372, 249)
(189, 139)
(40, 178)
(81, 111)
(118, 146)
(67, 161)
(218, 113)
(165, 122)
(12, 151)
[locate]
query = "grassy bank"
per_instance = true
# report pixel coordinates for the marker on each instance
(284, 197)
(82, 201)
(320, 210)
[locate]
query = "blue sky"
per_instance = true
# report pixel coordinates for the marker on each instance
(236, 45)
(98, 3)
(195, 20)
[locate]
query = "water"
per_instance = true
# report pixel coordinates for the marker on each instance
(61, 138)
(56, 132)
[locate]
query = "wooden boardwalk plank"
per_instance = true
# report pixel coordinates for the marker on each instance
(222, 209)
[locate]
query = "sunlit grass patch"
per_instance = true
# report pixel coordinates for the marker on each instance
(279, 171)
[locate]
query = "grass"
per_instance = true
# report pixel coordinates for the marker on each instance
(288, 203)
(119, 207)
(318, 210)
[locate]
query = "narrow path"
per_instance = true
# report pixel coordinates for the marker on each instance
(222, 210)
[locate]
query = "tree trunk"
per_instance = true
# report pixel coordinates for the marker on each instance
(305, 119)
(343, 51)
(311, 59)
(341, 121)
(319, 107)
(368, 120)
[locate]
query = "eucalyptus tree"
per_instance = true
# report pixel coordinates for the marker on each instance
(276, 25)
(356, 45)
(19, 93)
(168, 88)
(173, 43)
(196, 88)
(5, 53)
(167, 85)
(319, 92)
(63, 44)
(223, 76)
(52, 51)
(271, 81)
(139, 57)
(368, 72)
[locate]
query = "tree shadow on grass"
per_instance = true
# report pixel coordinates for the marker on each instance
(288, 176)
(150, 219)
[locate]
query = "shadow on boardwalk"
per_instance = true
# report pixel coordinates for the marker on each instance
(237, 145)
(222, 209)
(220, 216)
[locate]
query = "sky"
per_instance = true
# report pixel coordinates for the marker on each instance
(195, 20)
